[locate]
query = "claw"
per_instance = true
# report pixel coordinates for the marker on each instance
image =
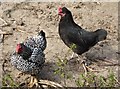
(87, 69)
(36, 82)
(72, 55)
(33, 82)
(85, 65)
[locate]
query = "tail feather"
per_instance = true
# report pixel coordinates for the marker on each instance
(102, 34)
(42, 33)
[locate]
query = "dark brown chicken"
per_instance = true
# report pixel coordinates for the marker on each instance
(73, 34)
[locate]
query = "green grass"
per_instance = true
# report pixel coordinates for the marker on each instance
(7, 81)
(92, 80)
(62, 69)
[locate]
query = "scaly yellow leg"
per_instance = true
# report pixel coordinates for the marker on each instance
(31, 84)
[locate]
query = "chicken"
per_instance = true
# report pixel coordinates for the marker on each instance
(29, 57)
(73, 34)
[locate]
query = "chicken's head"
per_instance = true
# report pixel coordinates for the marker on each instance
(63, 11)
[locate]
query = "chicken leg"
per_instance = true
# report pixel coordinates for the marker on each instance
(72, 55)
(86, 68)
(33, 81)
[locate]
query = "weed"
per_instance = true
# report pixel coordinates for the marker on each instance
(63, 68)
(8, 81)
(92, 80)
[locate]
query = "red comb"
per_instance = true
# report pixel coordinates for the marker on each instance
(18, 47)
(60, 9)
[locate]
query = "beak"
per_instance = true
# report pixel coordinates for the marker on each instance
(17, 51)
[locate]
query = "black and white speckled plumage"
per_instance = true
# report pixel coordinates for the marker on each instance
(36, 41)
(30, 66)
(34, 63)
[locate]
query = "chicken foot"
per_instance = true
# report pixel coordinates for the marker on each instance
(34, 81)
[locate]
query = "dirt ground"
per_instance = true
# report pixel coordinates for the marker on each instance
(26, 19)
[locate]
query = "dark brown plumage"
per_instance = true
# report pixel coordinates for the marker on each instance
(71, 33)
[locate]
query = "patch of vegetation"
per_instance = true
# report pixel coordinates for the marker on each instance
(7, 81)
(89, 80)
(92, 80)
(63, 68)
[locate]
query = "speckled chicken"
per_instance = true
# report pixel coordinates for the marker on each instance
(29, 57)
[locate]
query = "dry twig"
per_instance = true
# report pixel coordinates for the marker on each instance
(50, 83)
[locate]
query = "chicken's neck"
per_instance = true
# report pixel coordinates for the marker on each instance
(67, 20)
